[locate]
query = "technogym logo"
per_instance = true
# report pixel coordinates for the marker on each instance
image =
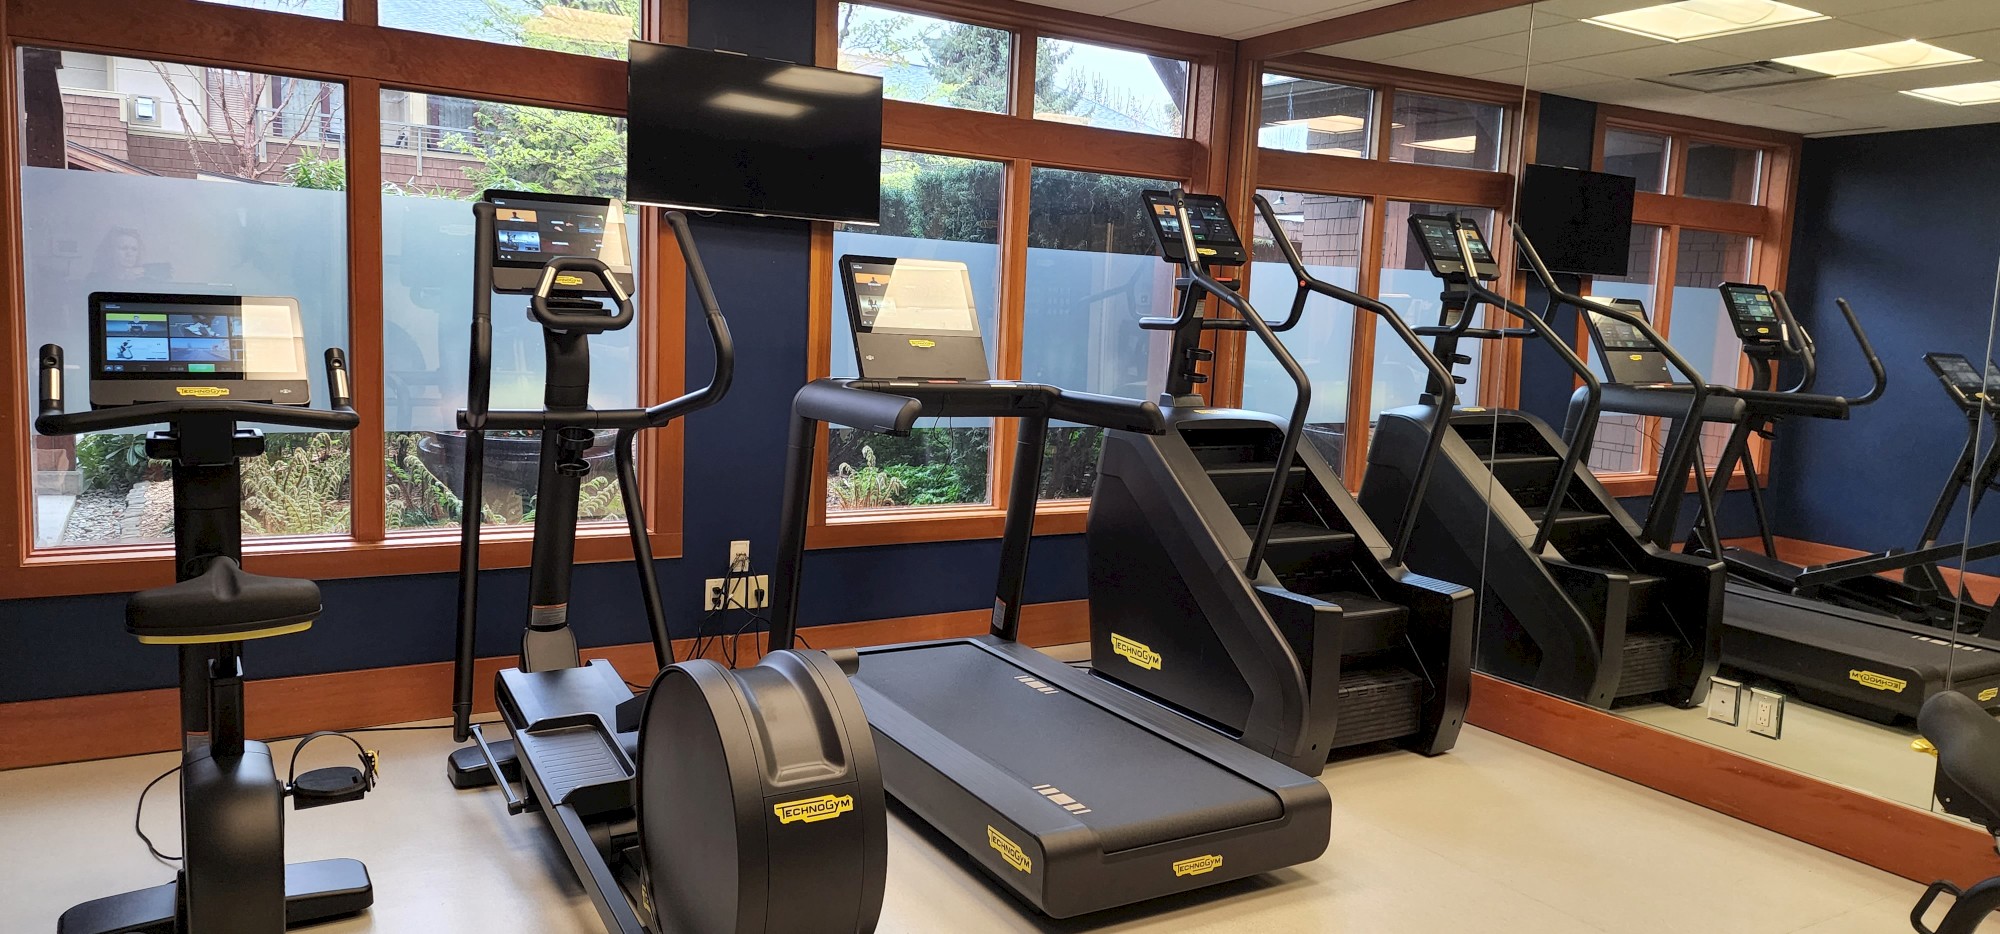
(202, 392)
(1136, 652)
(813, 810)
(1009, 850)
(1198, 865)
(1879, 682)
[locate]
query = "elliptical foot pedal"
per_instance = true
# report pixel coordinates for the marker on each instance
(467, 767)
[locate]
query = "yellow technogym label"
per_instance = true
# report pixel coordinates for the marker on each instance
(1638, 356)
(923, 343)
(1869, 679)
(1138, 653)
(202, 392)
(1198, 865)
(1989, 694)
(567, 279)
(813, 810)
(1009, 850)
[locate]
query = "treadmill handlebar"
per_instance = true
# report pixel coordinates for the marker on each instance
(893, 407)
(51, 420)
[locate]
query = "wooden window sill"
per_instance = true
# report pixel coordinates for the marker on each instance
(903, 527)
(72, 571)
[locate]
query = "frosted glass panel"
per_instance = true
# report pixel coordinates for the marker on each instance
(100, 231)
(426, 322)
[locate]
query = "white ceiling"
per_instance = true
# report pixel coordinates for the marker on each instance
(1229, 19)
(1578, 59)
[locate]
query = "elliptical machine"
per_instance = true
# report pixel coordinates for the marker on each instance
(233, 877)
(677, 808)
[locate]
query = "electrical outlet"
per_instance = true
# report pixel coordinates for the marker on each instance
(1767, 713)
(712, 595)
(1725, 701)
(739, 556)
(750, 592)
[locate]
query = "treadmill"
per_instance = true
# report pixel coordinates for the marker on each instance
(1974, 395)
(1841, 657)
(1074, 793)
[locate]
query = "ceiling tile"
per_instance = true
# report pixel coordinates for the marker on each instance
(1823, 36)
(1459, 60)
(1578, 9)
(1563, 41)
(1547, 76)
(1931, 19)
(1318, 9)
(1377, 48)
(1654, 61)
(1475, 28)
(1205, 17)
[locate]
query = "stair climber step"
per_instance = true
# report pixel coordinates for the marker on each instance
(1648, 665)
(1569, 519)
(1262, 470)
(1300, 534)
(1367, 624)
(1377, 704)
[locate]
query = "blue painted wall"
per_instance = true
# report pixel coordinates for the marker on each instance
(735, 462)
(1900, 225)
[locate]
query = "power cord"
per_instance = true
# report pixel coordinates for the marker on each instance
(140, 811)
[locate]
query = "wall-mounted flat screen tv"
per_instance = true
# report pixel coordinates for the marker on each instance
(1580, 222)
(716, 131)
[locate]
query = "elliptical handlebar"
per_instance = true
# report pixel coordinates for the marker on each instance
(50, 419)
(1798, 342)
(1875, 367)
(555, 320)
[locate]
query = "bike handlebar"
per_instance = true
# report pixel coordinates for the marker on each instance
(51, 420)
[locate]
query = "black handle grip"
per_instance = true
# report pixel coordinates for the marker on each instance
(52, 381)
(538, 304)
(339, 390)
(1110, 412)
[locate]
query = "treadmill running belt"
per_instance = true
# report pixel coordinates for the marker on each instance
(1860, 634)
(1137, 788)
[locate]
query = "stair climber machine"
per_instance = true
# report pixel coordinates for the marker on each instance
(1255, 598)
(1837, 635)
(233, 878)
(718, 800)
(1072, 792)
(1577, 599)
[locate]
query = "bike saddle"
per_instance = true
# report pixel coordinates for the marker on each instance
(223, 604)
(1968, 750)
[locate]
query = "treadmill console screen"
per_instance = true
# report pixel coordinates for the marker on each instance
(153, 347)
(1619, 335)
(1215, 237)
(530, 229)
(1438, 239)
(1957, 372)
(1753, 312)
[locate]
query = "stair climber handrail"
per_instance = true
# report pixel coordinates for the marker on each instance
(1440, 374)
(1295, 427)
(1675, 465)
(1585, 427)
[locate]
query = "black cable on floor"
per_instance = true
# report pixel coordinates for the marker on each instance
(140, 811)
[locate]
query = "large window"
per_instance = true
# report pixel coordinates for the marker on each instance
(1408, 286)
(1430, 130)
(1304, 115)
(926, 59)
(216, 185)
(1327, 231)
(141, 172)
(427, 306)
(933, 207)
(1625, 443)
(1093, 271)
(1643, 156)
(586, 27)
(1092, 85)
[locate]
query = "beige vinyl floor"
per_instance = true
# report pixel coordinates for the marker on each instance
(1494, 838)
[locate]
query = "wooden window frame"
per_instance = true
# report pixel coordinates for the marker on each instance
(1378, 181)
(1766, 223)
(1020, 143)
(364, 57)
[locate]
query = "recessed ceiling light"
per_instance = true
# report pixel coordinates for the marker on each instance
(1451, 144)
(1908, 55)
(1962, 95)
(1690, 20)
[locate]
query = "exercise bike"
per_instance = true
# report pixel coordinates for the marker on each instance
(233, 877)
(1966, 740)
